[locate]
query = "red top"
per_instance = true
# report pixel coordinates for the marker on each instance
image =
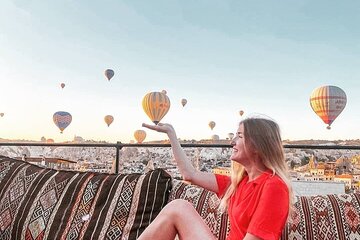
(259, 207)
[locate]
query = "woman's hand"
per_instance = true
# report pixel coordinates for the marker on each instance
(161, 127)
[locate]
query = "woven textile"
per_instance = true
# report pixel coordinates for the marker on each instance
(335, 217)
(323, 217)
(206, 204)
(38, 203)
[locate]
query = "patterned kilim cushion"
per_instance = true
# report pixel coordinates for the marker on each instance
(315, 217)
(206, 204)
(38, 203)
(325, 217)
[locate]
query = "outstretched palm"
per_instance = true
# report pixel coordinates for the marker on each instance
(161, 127)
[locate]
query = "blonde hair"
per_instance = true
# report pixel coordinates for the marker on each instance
(263, 136)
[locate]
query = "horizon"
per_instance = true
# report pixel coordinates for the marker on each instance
(2, 140)
(260, 57)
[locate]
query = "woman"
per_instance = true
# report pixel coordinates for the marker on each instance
(257, 197)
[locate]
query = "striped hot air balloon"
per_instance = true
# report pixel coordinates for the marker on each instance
(328, 102)
(108, 119)
(156, 105)
(62, 120)
(140, 135)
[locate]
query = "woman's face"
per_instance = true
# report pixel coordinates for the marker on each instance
(239, 153)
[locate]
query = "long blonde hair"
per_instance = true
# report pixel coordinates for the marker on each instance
(263, 136)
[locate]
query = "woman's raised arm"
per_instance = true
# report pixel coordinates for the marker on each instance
(189, 173)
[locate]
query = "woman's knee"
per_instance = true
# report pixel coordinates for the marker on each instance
(180, 203)
(179, 207)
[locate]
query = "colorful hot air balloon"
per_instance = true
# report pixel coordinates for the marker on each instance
(140, 135)
(2, 114)
(164, 91)
(212, 124)
(156, 105)
(241, 112)
(328, 102)
(62, 120)
(109, 73)
(231, 136)
(49, 140)
(62, 85)
(108, 119)
(183, 102)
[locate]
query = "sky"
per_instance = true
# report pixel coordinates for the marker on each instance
(263, 57)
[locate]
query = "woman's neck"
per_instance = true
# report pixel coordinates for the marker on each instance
(254, 171)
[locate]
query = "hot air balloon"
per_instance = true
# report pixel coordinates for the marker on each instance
(231, 136)
(156, 105)
(2, 114)
(49, 140)
(140, 135)
(108, 119)
(328, 102)
(215, 137)
(62, 85)
(62, 120)
(183, 102)
(164, 91)
(212, 124)
(109, 73)
(241, 112)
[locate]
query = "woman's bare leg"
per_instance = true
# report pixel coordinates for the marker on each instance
(178, 217)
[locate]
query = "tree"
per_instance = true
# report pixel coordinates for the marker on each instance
(292, 165)
(305, 160)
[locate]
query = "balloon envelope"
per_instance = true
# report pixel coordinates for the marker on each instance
(231, 136)
(108, 119)
(109, 73)
(241, 112)
(183, 102)
(215, 137)
(156, 105)
(2, 114)
(164, 91)
(62, 85)
(328, 102)
(212, 124)
(140, 135)
(62, 120)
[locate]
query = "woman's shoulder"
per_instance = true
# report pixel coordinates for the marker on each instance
(275, 182)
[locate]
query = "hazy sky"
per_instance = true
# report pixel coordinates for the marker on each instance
(222, 56)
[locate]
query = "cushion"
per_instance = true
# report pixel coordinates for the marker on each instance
(206, 204)
(39, 203)
(315, 217)
(325, 217)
